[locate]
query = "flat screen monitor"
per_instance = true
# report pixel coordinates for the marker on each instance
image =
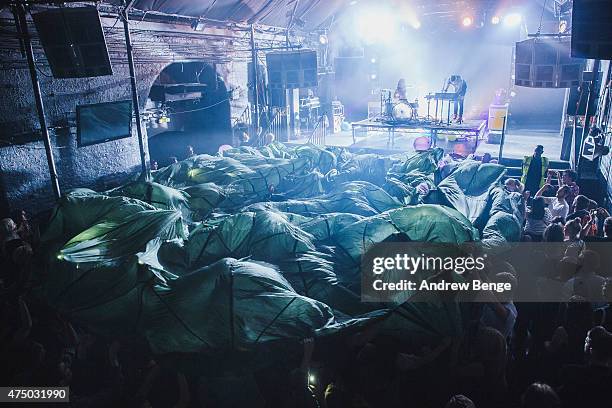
(102, 122)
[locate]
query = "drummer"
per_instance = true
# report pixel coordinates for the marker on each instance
(400, 91)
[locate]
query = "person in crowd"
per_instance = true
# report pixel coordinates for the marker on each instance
(557, 205)
(588, 385)
(154, 165)
(244, 139)
(189, 151)
(603, 315)
(24, 227)
(537, 219)
(502, 315)
(607, 232)
(587, 283)
(14, 253)
(569, 178)
(535, 170)
(539, 395)
(602, 215)
(580, 207)
(269, 139)
(575, 244)
(513, 185)
(554, 233)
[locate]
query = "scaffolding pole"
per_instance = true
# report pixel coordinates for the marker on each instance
(136, 107)
(22, 27)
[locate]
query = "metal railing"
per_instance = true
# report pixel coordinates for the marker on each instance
(276, 126)
(319, 132)
(243, 122)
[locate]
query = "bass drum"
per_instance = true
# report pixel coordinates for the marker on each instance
(402, 111)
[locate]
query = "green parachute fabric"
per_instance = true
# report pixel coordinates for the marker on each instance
(120, 264)
(422, 223)
(80, 209)
(356, 197)
(467, 188)
(158, 195)
(111, 240)
(265, 235)
(229, 304)
(403, 178)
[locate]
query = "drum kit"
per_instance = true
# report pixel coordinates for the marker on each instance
(398, 111)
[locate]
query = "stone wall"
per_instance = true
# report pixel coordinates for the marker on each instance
(24, 173)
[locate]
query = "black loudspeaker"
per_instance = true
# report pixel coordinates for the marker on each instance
(278, 97)
(73, 41)
(546, 63)
(292, 69)
(591, 29)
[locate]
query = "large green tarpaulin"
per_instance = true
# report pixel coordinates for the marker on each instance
(264, 245)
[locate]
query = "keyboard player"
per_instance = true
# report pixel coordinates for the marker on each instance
(460, 87)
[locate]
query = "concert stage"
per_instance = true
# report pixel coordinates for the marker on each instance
(468, 132)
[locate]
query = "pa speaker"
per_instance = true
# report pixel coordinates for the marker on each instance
(591, 29)
(293, 69)
(73, 41)
(546, 63)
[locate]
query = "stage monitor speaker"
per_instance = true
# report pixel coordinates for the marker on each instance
(546, 63)
(292, 69)
(73, 41)
(591, 29)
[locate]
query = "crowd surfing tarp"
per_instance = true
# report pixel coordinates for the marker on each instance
(264, 245)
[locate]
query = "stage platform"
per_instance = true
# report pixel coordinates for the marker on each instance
(470, 131)
(518, 142)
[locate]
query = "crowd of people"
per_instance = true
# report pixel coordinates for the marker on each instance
(556, 354)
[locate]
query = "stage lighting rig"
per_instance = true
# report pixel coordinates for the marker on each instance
(467, 21)
(513, 19)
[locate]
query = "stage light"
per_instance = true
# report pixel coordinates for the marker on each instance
(467, 21)
(373, 76)
(495, 20)
(323, 39)
(376, 25)
(513, 19)
(562, 26)
(416, 24)
(512, 94)
(373, 60)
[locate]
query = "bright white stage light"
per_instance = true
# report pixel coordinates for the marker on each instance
(373, 60)
(376, 25)
(323, 39)
(467, 21)
(373, 77)
(495, 20)
(513, 19)
(416, 24)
